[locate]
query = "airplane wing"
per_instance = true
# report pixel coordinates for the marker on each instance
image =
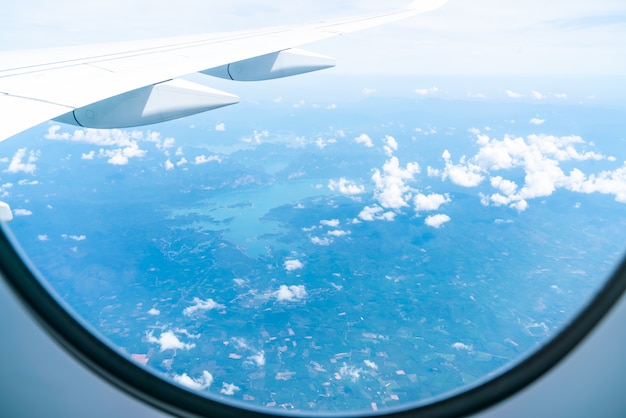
(136, 78)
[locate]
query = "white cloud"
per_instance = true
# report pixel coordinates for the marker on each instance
(258, 358)
(258, 136)
(229, 389)
(321, 241)
(507, 187)
(22, 212)
(169, 165)
(154, 311)
(370, 364)
(18, 165)
(561, 96)
(461, 346)
(513, 95)
(122, 156)
(291, 265)
(433, 172)
(74, 237)
(537, 95)
(321, 143)
(367, 91)
(430, 202)
(371, 213)
(391, 145)
(427, 91)
(122, 145)
(350, 372)
(391, 189)
(338, 233)
(220, 127)
(166, 143)
(537, 121)
(333, 223)
(365, 140)
(168, 341)
(201, 305)
(436, 221)
(464, 174)
(203, 159)
(200, 383)
(43, 237)
(345, 186)
(540, 157)
(290, 293)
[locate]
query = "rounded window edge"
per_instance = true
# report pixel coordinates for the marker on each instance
(148, 387)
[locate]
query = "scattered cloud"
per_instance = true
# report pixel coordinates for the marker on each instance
(154, 311)
(23, 161)
(290, 293)
(203, 159)
(537, 121)
(122, 156)
(321, 143)
(43, 237)
(391, 145)
(429, 202)
(376, 213)
(461, 346)
(426, 91)
(74, 237)
(200, 383)
(321, 241)
(346, 187)
(391, 189)
(201, 305)
(338, 233)
(22, 212)
(220, 127)
(539, 155)
(537, 95)
(258, 358)
(368, 91)
(370, 364)
(365, 140)
(168, 341)
(257, 136)
(291, 265)
(88, 156)
(350, 372)
(333, 223)
(436, 221)
(513, 95)
(118, 146)
(229, 389)
(464, 174)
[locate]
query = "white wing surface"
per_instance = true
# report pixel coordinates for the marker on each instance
(38, 85)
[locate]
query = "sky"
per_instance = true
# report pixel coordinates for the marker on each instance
(481, 37)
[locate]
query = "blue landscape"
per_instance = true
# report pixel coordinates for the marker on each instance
(346, 246)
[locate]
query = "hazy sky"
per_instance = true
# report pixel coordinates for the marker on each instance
(463, 37)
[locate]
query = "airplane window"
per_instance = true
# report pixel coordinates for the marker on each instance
(382, 247)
